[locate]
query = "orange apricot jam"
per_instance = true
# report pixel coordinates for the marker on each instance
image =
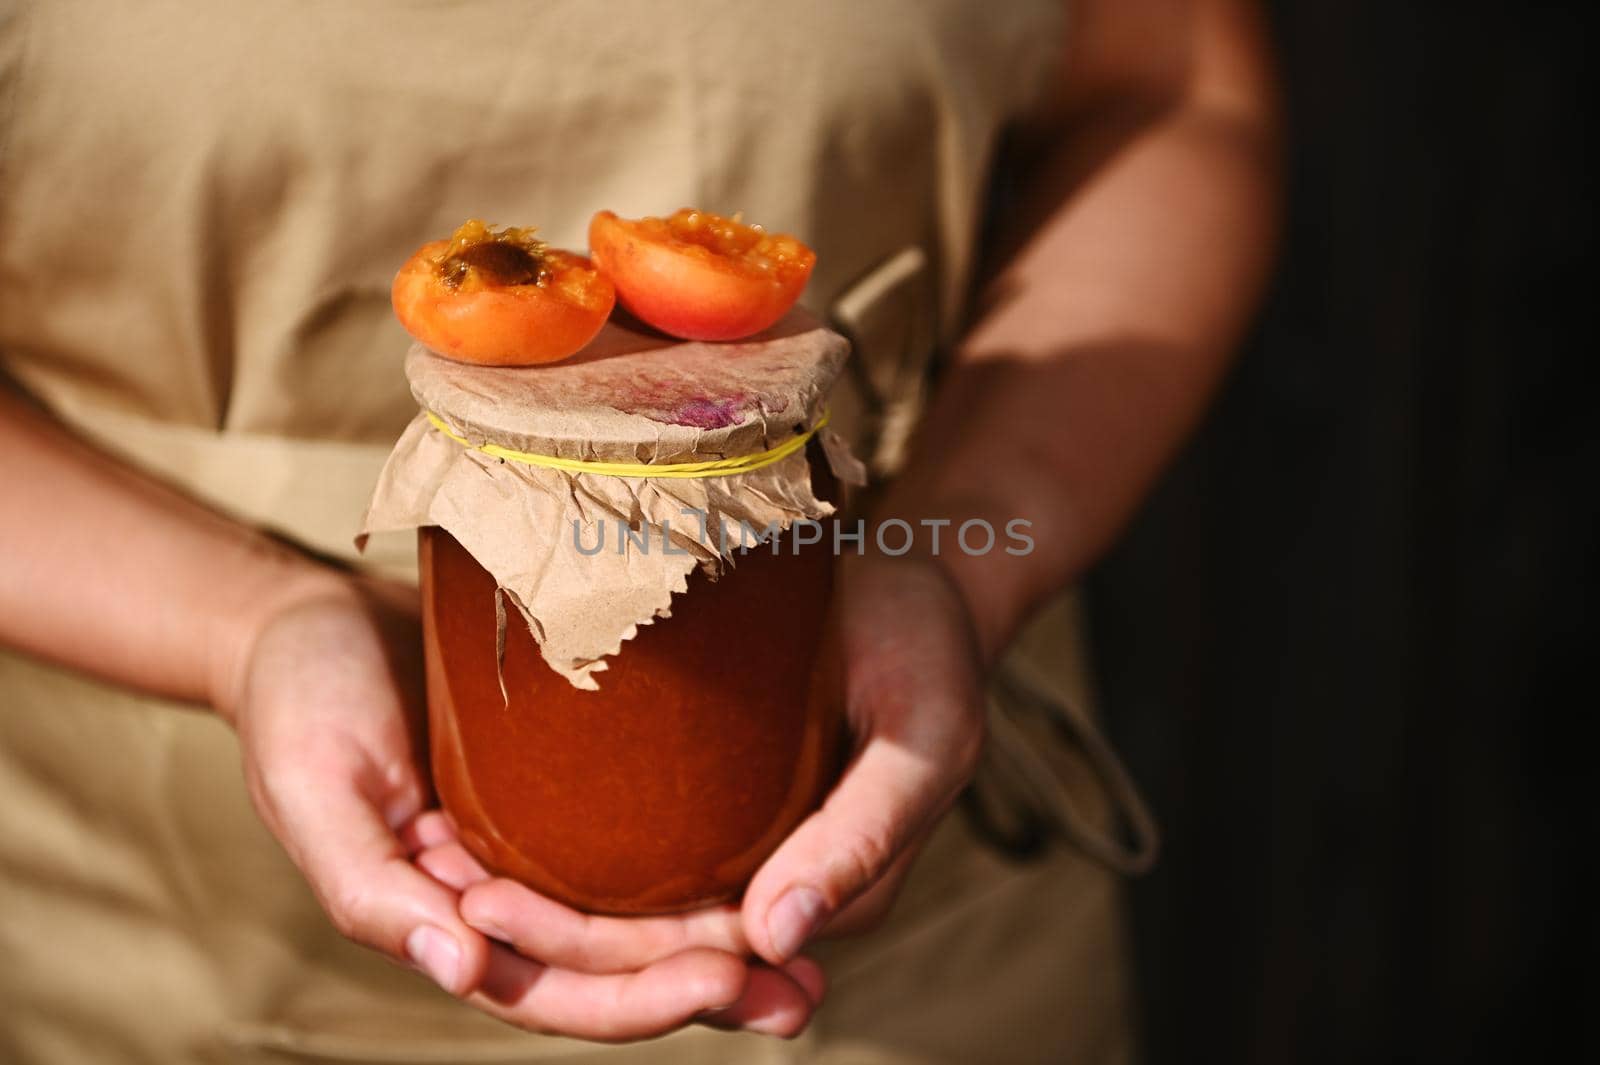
(710, 738)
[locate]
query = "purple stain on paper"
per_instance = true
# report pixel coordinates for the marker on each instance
(671, 404)
(703, 386)
(706, 413)
(727, 392)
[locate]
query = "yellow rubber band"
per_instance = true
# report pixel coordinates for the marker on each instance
(711, 468)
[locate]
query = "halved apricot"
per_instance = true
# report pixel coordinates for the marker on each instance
(698, 275)
(500, 297)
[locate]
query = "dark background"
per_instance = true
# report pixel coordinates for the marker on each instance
(1341, 645)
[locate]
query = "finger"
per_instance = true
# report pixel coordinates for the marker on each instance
(868, 910)
(361, 874)
(610, 1008)
(452, 866)
(887, 797)
(430, 828)
(776, 1002)
(809, 975)
(539, 927)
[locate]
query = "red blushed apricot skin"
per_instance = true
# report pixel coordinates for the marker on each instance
(518, 325)
(685, 295)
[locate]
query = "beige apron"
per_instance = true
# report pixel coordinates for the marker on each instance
(201, 206)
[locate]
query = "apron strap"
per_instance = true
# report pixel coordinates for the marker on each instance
(1035, 774)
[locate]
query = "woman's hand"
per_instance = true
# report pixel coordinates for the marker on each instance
(328, 710)
(910, 680)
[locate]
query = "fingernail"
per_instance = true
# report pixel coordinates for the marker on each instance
(794, 919)
(436, 953)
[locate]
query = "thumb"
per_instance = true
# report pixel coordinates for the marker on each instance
(885, 800)
(371, 890)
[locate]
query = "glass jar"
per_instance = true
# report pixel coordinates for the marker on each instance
(712, 734)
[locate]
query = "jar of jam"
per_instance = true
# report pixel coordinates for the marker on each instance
(659, 775)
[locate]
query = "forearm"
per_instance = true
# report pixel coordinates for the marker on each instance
(1111, 329)
(108, 572)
